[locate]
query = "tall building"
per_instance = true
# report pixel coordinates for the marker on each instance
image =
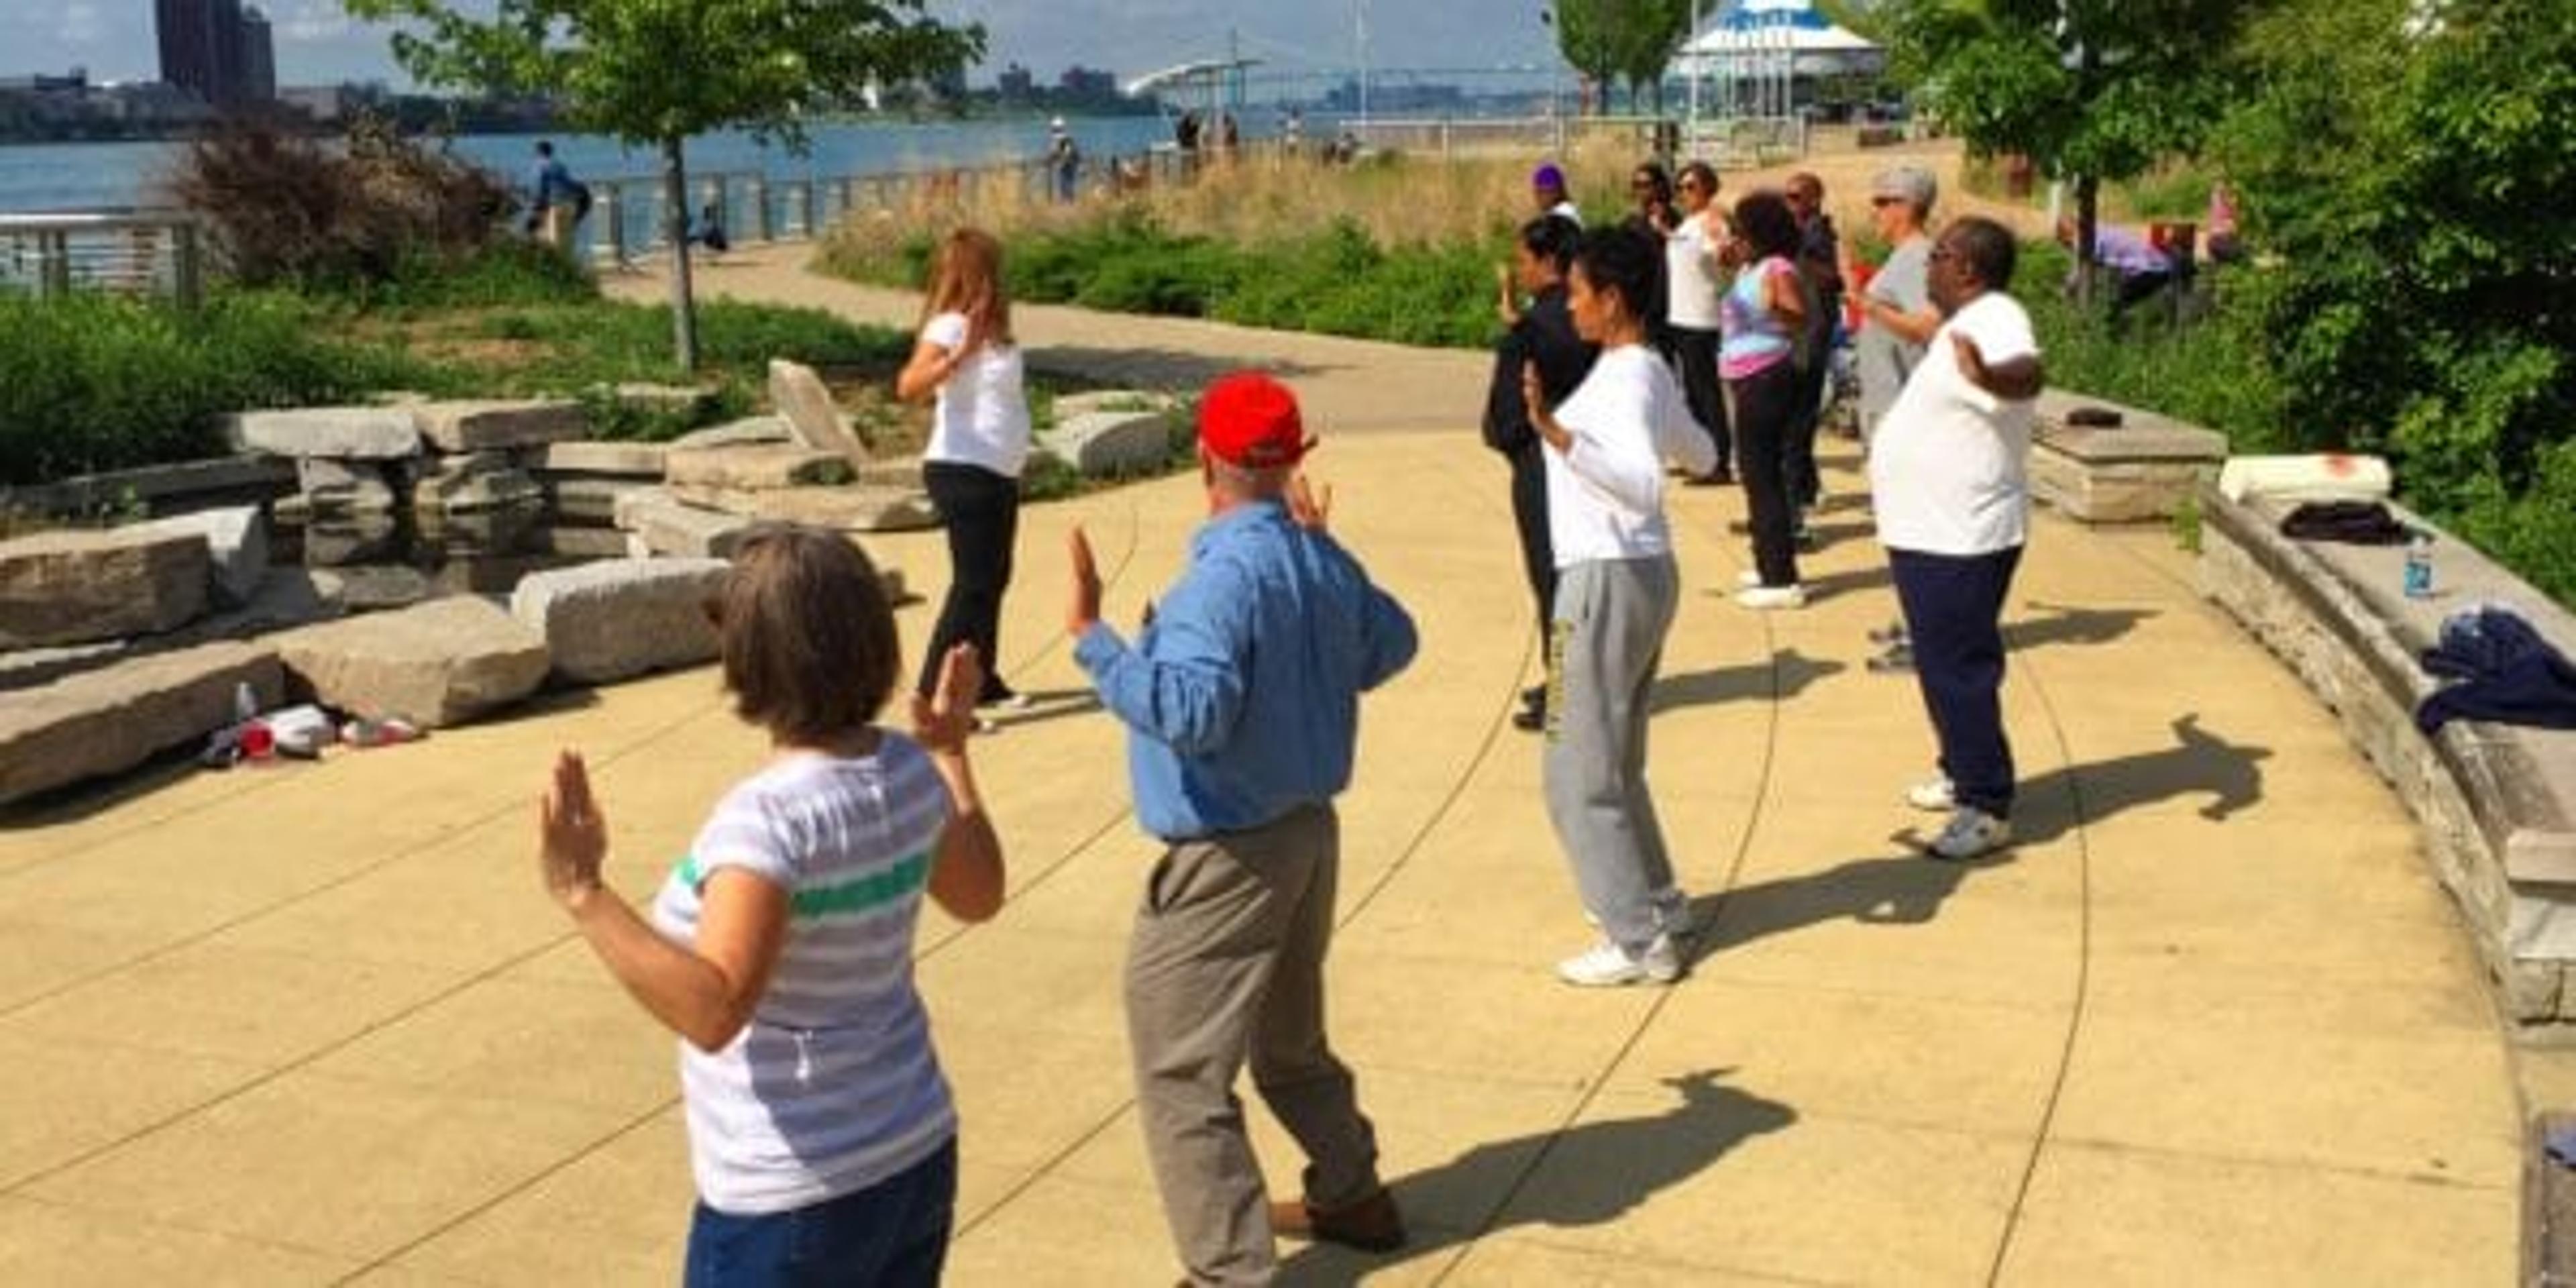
(216, 50)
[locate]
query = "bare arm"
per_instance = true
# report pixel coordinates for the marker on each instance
(2015, 380)
(704, 992)
(928, 369)
(1912, 328)
(1780, 294)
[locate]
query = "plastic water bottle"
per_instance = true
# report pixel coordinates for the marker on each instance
(2419, 565)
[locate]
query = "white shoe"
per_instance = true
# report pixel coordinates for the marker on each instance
(1607, 965)
(1970, 833)
(1933, 796)
(1748, 579)
(1015, 702)
(1771, 597)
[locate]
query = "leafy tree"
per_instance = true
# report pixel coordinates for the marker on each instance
(2093, 89)
(2408, 165)
(655, 72)
(1588, 34)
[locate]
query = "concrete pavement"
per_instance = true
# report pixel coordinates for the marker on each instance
(2210, 1021)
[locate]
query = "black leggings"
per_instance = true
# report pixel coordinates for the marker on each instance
(1765, 416)
(982, 511)
(1697, 352)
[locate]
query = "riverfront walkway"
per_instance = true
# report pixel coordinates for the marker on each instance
(2210, 1022)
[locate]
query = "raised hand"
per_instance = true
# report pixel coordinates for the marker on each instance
(1084, 611)
(942, 722)
(1305, 509)
(572, 834)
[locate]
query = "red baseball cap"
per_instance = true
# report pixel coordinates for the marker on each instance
(1248, 419)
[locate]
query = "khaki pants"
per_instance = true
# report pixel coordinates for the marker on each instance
(557, 225)
(1227, 965)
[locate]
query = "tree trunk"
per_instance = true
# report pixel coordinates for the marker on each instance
(2088, 204)
(675, 203)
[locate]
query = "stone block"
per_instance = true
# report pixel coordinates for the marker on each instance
(473, 483)
(619, 618)
(236, 541)
(334, 433)
(110, 720)
(336, 487)
(662, 400)
(591, 500)
(757, 466)
(847, 509)
(2145, 468)
(287, 598)
(1112, 444)
(664, 526)
(331, 542)
(480, 425)
(441, 662)
(180, 485)
(805, 402)
(375, 587)
(616, 460)
(736, 433)
(71, 587)
(586, 543)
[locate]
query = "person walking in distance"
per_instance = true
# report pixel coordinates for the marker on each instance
(821, 1132)
(979, 438)
(1763, 312)
(1616, 592)
(1543, 334)
(1241, 698)
(556, 200)
(1695, 272)
(1953, 503)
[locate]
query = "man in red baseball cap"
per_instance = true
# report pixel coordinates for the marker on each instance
(1241, 698)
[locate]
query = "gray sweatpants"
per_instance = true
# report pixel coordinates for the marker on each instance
(1227, 964)
(1605, 642)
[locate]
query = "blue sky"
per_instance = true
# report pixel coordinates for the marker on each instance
(318, 43)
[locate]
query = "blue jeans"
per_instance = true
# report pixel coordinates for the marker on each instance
(894, 1234)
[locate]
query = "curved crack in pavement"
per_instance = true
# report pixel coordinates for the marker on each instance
(2083, 973)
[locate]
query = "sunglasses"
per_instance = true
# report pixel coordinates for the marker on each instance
(1887, 201)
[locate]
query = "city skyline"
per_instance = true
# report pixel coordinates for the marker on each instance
(316, 42)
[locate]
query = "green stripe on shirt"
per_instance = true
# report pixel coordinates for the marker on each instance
(858, 894)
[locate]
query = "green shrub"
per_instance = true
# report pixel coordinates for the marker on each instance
(95, 383)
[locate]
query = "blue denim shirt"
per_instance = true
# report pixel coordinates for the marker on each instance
(1242, 695)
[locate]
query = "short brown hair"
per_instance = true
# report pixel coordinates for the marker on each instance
(809, 640)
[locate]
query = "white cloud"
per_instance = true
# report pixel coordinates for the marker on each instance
(312, 22)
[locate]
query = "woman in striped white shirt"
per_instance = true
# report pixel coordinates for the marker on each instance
(821, 1131)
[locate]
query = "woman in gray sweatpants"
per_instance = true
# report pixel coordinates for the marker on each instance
(1616, 591)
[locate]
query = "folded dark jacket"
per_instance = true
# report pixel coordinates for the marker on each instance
(2502, 671)
(2360, 523)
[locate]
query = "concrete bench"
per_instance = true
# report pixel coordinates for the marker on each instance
(2496, 803)
(2143, 469)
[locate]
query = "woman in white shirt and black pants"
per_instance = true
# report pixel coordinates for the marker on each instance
(1616, 591)
(979, 438)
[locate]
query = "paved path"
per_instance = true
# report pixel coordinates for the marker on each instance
(2210, 1022)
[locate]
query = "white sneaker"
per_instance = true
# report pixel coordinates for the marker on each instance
(1015, 702)
(1970, 833)
(1748, 579)
(1933, 796)
(1771, 597)
(1607, 965)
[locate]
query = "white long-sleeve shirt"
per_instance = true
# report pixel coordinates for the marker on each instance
(1605, 493)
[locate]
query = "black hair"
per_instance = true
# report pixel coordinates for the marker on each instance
(1657, 180)
(1704, 172)
(1769, 226)
(545, 148)
(1987, 249)
(1623, 260)
(1552, 238)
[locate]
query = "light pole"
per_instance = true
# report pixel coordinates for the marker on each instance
(1359, 33)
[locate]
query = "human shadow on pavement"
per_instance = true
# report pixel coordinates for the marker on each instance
(1585, 1175)
(1873, 577)
(1152, 368)
(1898, 890)
(2200, 763)
(2067, 624)
(1785, 675)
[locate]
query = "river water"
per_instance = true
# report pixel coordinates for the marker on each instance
(92, 176)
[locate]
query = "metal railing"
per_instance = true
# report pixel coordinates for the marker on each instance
(139, 253)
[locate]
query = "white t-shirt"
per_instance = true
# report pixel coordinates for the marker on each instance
(1566, 210)
(1691, 272)
(983, 414)
(1605, 496)
(1946, 472)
